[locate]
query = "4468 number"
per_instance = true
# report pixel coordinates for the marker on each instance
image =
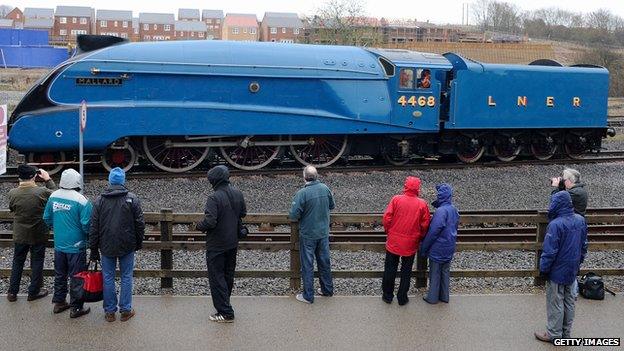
(421, 101)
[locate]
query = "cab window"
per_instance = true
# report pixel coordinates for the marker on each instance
(424, 79)
(406, 78)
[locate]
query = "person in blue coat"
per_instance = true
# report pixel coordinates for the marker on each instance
(439, 244)
(564, 249)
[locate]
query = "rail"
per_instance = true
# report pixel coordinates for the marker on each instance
(162, 237)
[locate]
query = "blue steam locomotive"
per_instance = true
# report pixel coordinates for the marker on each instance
(176, 103)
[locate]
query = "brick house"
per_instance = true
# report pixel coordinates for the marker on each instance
(17, 17)
(188, 15)
(190, 30)
(281, 27)
(240, 27)
(70, 21)
(114, 22)
(39, 19)
(156, 26)
(135, 30)
(214, 22)
(402, 31)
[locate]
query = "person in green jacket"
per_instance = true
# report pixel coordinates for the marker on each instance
(69, 213)
(30, 233)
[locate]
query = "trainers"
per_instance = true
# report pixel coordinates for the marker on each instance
(60, 307)
(79, 312)
(12, 297)
(43, 293)
(126, 315)
(319, 291)
(219, 318)
(300, 298)
(110, 317)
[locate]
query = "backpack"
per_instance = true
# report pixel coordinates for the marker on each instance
(592, 287)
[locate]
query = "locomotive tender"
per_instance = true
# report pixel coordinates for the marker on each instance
(177, 102)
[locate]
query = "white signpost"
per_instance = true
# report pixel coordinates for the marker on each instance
(82, 125)
(3, 138)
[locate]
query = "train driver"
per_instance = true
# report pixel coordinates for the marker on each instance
(406, 79)
(425, 81)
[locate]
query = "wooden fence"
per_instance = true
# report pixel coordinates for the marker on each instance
(165, 220)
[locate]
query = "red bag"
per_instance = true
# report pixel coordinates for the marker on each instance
(88, 286)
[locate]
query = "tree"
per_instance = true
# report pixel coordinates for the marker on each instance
(5, 9)
(611, 60)
(344, 22)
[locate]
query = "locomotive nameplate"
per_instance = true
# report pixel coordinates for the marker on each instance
(99, 81)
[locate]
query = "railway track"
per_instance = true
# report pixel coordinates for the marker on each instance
(354, 166)
(615, 121)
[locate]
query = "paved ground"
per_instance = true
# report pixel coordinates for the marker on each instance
(484, 322)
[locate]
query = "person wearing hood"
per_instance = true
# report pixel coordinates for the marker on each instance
(311, 207)
(222, 222)
(117, 231)
(439, 244)
(405, 221)
(30, 233)
(68, 212)
(564, 249)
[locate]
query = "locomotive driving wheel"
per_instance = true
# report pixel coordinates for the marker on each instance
(507, 149)
(44, 160)
(320, 151)
(122, 157)
(249, 157)
(396, 151)
(164, 155)
(576, 146)
(470, 149)
(543, 148)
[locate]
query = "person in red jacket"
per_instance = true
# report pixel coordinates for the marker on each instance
(405, 221)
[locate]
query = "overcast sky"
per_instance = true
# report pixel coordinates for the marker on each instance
(438, 11)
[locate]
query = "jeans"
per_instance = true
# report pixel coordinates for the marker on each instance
(439, 276)
(221, 268)
(560, 309)
(390, 271)
(66, 265)
(308, 250)
(37, 256)
(126, 267)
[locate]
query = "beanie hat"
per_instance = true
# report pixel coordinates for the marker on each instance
(117, 176)
(26, 172)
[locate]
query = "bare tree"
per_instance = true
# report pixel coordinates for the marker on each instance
(344, 22)
(611, 60)
(5, 9)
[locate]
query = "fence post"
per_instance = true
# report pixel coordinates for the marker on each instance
(295, 261)
(421, 271)
(539, 239)
(166, 254)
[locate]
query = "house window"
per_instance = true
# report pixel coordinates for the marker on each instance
(245, 30)
(283, 30)
(83, 21)
(146, 37)
(252, 30)
(103, 24)
(296, 31)
(74, 20)
(209, 21)
(273, 30)
(167, 27)
(201, 34)
(192, 34)
(146, 26)
(181, 34)
(63, 32)
(124, 35)
(63, 20)
(78, 31)
(116, 24)
(217, 21)
(155, 27)
(124, 24)
(235, 30)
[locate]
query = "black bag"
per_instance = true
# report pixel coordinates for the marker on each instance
(592, 287)
(242, 229)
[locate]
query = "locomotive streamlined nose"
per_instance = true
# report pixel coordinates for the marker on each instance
(611, 132)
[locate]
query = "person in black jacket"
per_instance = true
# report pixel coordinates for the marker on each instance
(222, 223)
(570, 181)
(117, 231)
